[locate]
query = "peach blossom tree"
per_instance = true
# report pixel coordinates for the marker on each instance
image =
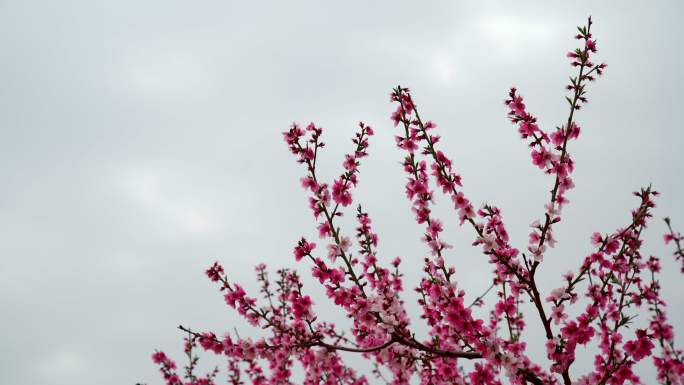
(609, 287)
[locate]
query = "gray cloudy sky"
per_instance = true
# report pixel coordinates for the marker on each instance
(141, 141)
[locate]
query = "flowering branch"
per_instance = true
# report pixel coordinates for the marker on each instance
(678, 239)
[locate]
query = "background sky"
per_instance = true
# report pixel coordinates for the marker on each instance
(140, 141)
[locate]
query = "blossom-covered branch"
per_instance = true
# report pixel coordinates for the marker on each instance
(677, 239)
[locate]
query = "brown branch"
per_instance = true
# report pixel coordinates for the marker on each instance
(395, 339)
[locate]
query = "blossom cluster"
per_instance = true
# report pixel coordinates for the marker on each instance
(611, 285)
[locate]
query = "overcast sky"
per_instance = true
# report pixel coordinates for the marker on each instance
(141, 142)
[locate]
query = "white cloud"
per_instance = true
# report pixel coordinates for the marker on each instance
(444, 68)
(163, 201)
(62, 366)
(513, 34)
(153, 72)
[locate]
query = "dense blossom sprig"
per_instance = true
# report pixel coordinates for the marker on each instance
(614, 274)
(492, 235)
(550, 152)
(610, 287)
(168, 367)
(670, 362)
